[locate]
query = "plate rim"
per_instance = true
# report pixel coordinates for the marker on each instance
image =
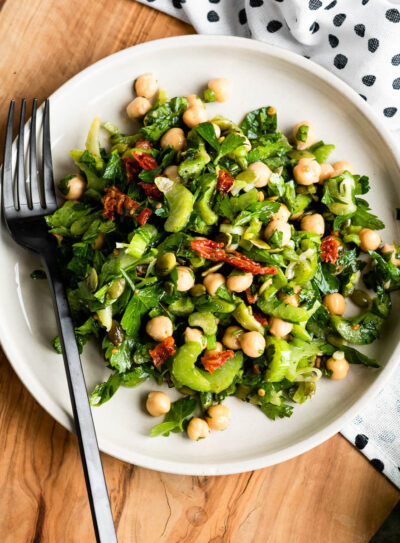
(39, 393)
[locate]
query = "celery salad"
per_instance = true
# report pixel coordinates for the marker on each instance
(219, 258)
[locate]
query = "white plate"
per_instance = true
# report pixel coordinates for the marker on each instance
(261, 75)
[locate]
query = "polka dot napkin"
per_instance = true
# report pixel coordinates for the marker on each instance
(359, 41)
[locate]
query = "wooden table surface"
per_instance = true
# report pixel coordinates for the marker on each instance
(330, 494)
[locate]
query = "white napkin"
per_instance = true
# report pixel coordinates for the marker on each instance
(359, 41)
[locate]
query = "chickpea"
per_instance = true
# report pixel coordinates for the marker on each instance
(218, 417)
(239, 283)
(185, 278)
(194, 101)
(335, 303)
(313, 223)
(158, 403)
(282, 214)
(279, 327)
(160, 327)
(194, 116)
(307, 171)
(261, 196)
(279, 226)
(146, 85)
(231, 338)
(369, 239)
(76, 187)
(198, 429)
(262, 172)
(213, 281)
(194, 334)
(253, 344)
(218, 348)
(338, 365)
(175, 138)
(99, 241)
(221, 88)
(292, 299)
(137, 108)
(217, 130)
(172, 173)
(327, 171)
(310, 139)
(341, 166)
(388, 248)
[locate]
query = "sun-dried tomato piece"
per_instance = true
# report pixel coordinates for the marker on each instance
(132, 168)
(162, 351)
(116, 202)
(151, 190)
(212, 250)
(251, 298)
(146, 161)
(225, 181)
(260, 318)
(330, 249)
(144, 215)
(213, 360)
(143, 144)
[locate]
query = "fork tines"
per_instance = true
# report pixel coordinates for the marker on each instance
(20, 194)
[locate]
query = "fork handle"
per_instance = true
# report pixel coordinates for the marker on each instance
(90, 454)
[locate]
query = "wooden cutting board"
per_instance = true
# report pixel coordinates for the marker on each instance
(330, 494)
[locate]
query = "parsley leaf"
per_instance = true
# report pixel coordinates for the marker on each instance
(207, 132)
(142, 301)
(175, 418)
(259, 122)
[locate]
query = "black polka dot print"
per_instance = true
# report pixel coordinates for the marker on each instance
(274, 26)
(278, 0)
(256, 3)
(368, 80)
(242, 17)
(378, 464)
(314, 27)
(363, 97)
(390, 111)
(360, 30)
(393, 15)
(339, 19)
(178, 3)
(212, 16)
(331, 5)
(373, 44)
(361, 439)
(314, 4)
(214, 1)
(396, 84)
(340, 61)
(396, 60)
(364, 2)
(333, 40)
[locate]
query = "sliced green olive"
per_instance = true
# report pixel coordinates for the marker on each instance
(361, 298)
(197, 290)
(116, 288)
(116, 333)
(165, 263)
(92, 280)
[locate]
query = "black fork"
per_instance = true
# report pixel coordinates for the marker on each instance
(24, 207)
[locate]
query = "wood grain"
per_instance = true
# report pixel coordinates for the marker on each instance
(331, 494)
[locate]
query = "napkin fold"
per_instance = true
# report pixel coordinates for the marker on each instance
(359, 41)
